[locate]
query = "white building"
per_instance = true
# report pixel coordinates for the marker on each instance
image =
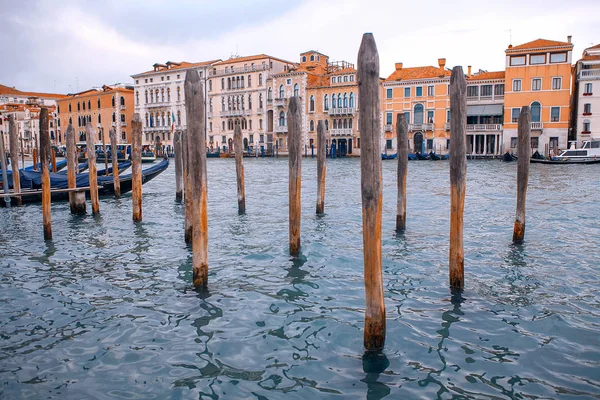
(587, 95)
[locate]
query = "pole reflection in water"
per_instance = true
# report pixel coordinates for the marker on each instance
(374, 363)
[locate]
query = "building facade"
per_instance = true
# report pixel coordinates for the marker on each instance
(586, 95)
(105, 108)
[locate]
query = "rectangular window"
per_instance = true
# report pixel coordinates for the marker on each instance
(487, 90)
(536, 59)
(472, 91)
(251, 138)
(407, 92)
(517, 60)
(587, 89)
(429, 144)
(388, 93)
(513, 142)
(430, 117)
(558, 57)
(554, 114)
(516, 85)
(168, 77)
(430, 91)
(515, 114)
(448, 116)
(388, 118)
(535, 142)
(587, 109)
(586, 126)
(419, 91)
(556, 83)
(536, 84)
(407, 116)
(499, 90)
(223, 139)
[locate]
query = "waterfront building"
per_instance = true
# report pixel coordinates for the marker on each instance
(586, 96)
(538, 74)
(240, 93)
(105, 108)
(160, 100)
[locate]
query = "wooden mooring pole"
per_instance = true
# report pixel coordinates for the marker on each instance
(187, 187)
(14, 157)
(239, 168)
(53, 159)
(35, 156)
(178, 166)
(321, 166)
(4, 169)
(458, 175)
(294, 119)
(371, 187)
(194, 106)
(136, 167)
(402, 152)
(90, 136)
(45, 161)
(115, 162)
(76, 199)
(524, 153)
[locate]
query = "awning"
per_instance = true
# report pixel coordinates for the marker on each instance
(490, 109)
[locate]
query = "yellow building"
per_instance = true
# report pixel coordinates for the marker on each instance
(538, 74)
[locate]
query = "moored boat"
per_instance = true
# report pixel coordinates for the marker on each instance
(389, 156)
(589, 153)
(508, 157)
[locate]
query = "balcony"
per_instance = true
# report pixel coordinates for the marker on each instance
(484, 127)
(235, 113)
(447, 126)
(156, 128)
(281, 129)
(238, 70)
(157, 104)
(341, 132)
(537, 126)
(586, 132)
(342, 111)
(260, 111)
(420, 127)
(486, 99)
(280, 102)
(589, 73)
(388, 128)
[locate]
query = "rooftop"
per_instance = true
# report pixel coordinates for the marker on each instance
(538, 44)
(173, 66)
(405, 74)
(250, 58)
(487, 75)
(7, 90)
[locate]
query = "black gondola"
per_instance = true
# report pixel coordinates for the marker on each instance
(507, 157)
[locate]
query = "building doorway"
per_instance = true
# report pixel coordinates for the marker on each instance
(418, 142)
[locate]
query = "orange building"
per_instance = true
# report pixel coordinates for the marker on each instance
(538, 74)
(104, 108)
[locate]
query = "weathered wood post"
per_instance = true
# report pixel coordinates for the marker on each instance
(22, 152)
(76, 199)
(187, 187)
(239, 168)
(178, 166)
(294, 119)
(321, 166)
(45, 161)
(53, 159)
(35, 156)
(136, 167)
(14, 157)
(524, 132)
(4, 169)
(115, 162)
(194, 107)
(370, 179)
(90, 136)
(104, 150)
(402, 152)
(458, 175)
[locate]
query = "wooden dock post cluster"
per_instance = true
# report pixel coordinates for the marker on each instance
(178, 166)
(187, 187)
(524, 152)
(402, 144)
(14, 158)
(76, 199)
(136, 167)
(321, 166)
(198, 179)
(239, 169)
(458, 175)
(294, 118)
(115, 161)
(4, 169)
(45, 161)
(370, 179)
(90, 136)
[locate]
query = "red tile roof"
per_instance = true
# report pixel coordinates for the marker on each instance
(589, 57)
(538, 44)
(6, 90)
(251, 58)
(179, 65)
(406, 74)
(344, 71)
(487, 75)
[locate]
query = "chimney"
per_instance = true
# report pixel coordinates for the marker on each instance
(442, 63)
(569, 39)
(468, 70)
(398, 66)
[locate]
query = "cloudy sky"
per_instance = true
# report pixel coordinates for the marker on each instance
(73, 45)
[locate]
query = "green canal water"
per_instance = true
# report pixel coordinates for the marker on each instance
(106, 309)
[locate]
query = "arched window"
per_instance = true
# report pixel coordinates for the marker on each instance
(114, 118)
(69, 107)
(281, 92)
(587, 126)
(270, 94)
(210, 85)
(335, 124)
(312, 57)
(178, 93)
(156, 95)
(123, 99)
(312, 125)
(351, 100)
(326, 124)
(70, 120)
(281, 118)
(260, 101)
(78, 106)
(147, 119)
(168, 94)
(345, 124)
(249, 80)
(296, 90)
(178, 118)
(311, 104)
(151, 96)
(536, 112)
(345, 100)
(249, 102)
(333, 103)
(113, 101)
(418, 114)
(259, 79)
(99, 119)
(303, 58)
(326, 103)
(222, 103)
(146, 96)
(350, 124)
(260, 124)
(83, 105)
(210, 106)
(242, 80)
(162, 95)
(163, 119)
(123, 136)
(89, 105)
(339, 100)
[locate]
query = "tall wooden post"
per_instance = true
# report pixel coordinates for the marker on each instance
(458, 175)
(53, 159)
(22, 152)
(76, 199)
(178, 166)
(321, 166)
(104, 150)
(4, 169)
(14, 157)
(136, 167)
(524, 132)
(36, 153)
(294, 119)
(402, 152)
(90, 136)
(239, 168)
(45, 161)
(115, 161)
(187, 187)
(35, 157)
(194, 106)
(371, 187)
